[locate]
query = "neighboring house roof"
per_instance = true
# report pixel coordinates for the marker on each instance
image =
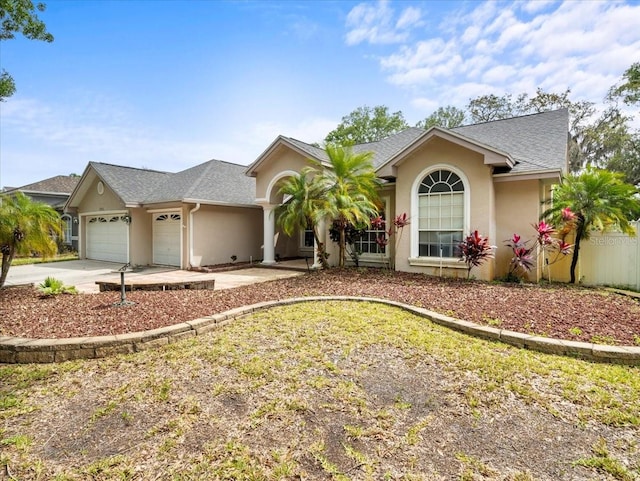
(60, 184)
(54, 191)
(534, 143)
(213, 182)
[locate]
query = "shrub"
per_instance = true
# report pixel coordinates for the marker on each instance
(52, 287)
(475, 250)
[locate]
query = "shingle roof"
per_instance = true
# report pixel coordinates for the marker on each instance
(213, 181)
(536, 142)
(132, 185)
(60, 184)
(382, 150)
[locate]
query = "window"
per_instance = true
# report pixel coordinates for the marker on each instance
(367, 243)
(441, 214)
(308, 239)
(67, 225)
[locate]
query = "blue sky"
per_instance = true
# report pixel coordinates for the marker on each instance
(169, 84)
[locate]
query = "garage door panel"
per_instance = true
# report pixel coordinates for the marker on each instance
(167, 232)
(107, 238)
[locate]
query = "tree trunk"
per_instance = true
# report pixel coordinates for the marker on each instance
(322, 257)
(342, 245)
(6, 263)
(576, 247)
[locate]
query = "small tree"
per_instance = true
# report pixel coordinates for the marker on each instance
(600, 201)
(25, 227)
(349, 192)
(303, 195)
(475, 251)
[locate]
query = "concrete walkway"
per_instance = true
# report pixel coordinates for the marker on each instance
(83, 274)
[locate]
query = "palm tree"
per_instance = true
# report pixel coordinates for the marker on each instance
(299, 211)
(350, 188)
(25, 227)
(600, 200)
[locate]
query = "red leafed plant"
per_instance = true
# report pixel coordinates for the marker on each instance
(525, 258)
(475, 250)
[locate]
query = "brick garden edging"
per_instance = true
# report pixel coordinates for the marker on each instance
(15, 350)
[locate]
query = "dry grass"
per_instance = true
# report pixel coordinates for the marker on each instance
(323, 391)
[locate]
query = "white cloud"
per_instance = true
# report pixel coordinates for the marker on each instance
(374, 23)
(513, 48)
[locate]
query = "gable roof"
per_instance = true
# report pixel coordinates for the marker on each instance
(60, 184)
(536, 142)
(528, 144)
(213, 182)
(130, 184)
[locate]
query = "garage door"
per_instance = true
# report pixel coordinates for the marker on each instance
(107, 238)
(167, 230)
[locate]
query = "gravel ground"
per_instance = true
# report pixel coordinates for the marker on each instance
(558, 311)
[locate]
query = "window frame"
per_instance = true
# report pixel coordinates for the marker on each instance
(377, 256)
(415, 258)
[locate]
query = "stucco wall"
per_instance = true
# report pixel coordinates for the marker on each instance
(220, 232)
(283, 160)
(140, 237)
(94, 202)
(517, 209)
(481, 205)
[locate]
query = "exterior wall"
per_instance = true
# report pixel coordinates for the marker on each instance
(517, 208)
(481, 208)
(220, 232)
(140, 237)
(287, 161)
(94, 202)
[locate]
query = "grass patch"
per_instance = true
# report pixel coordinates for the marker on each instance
(334, 390)
(23, 261)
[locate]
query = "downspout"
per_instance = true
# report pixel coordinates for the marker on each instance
(191, 212)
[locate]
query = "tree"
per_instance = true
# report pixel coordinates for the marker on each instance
(303, 197)
(629, 89)
(487, 108)
(25, 227)
(366, 125)
(19, 16)
(599, 199)
(448, 117)
(349, 185)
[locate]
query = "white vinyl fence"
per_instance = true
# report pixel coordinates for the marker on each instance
(611, 259)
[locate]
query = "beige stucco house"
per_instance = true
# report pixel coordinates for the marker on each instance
(493, 177)
(200, 216)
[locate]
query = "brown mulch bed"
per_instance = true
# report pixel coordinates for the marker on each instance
(559, 311)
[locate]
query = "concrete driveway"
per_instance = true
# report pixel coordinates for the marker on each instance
(83, 274)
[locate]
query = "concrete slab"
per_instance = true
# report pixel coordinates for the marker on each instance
(83, 274)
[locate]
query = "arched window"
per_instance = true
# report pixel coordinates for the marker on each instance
(441, 214)
(66, 228)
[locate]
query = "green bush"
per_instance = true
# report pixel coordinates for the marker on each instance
(52, 287)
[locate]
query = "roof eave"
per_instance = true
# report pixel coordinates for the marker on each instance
(252, 170)
(492, 156)
(530, 175)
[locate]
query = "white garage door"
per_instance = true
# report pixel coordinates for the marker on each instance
(167, 230)
(107, 238)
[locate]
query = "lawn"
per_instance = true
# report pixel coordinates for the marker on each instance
(316, 391)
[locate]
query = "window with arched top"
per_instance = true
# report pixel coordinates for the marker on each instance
(441, 205)
(66, 228)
